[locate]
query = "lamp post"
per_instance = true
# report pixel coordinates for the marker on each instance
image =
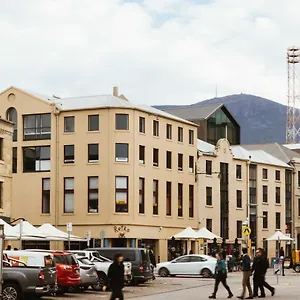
(2, 237)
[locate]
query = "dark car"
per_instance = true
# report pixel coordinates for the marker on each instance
(139, 258)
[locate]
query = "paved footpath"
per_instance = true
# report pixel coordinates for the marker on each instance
(195, 288)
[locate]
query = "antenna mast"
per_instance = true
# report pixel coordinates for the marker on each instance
(293, 97)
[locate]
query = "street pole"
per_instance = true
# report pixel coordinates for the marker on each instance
(1, 257)
(69, 230)
(21, 232)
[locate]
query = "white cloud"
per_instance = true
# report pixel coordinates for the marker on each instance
(156, 51)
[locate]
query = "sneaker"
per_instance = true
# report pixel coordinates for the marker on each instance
(250, 297)
(273, 292)
(212, 297)
(240, 297)
(230, 296)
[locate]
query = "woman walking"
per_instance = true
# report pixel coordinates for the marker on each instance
(220, 275)
(116, 278)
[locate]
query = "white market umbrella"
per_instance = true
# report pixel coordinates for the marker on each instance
(205, 234)
(52, 232)
(26, 231)
(8, 231)
(187, 233)
(279, 236)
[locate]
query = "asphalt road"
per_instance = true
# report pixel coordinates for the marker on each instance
(196, 288)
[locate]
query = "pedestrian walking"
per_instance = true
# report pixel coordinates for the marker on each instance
(259, 269)
(246, 268)
(220, 276)
(281, 256)
(115, 277)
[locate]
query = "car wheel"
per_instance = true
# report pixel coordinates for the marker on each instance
(102, 279)
(297, 269)
(206, 273)
(11, 291)
(163, 272)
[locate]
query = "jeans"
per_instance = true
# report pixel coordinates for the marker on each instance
(221, 278)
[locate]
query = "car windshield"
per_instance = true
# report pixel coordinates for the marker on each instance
(85, 261)
(65, 259)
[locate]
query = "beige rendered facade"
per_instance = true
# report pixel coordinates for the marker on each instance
(124, 173)
(256, 188)
(6, 131)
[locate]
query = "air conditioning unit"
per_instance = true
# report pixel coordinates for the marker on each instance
(141, 161)
(121, 159)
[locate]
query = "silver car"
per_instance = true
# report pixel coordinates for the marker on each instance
(88, 273)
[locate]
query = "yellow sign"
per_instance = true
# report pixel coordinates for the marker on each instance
(246, 230)
(201, 241)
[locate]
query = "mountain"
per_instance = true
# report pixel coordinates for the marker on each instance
(261, 120)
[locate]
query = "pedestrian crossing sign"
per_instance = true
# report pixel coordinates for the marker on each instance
(246, 230)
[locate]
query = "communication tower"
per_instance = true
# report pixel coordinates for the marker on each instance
(293, 105)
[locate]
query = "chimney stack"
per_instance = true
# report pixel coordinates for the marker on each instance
(115, 91)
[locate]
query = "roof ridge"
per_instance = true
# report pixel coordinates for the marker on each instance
(284, 154)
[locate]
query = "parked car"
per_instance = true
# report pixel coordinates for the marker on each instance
(68, 274)
(102, 264)
(20, 279)
(188, 265)
(296, 267)
(88, 273)
(139, 258)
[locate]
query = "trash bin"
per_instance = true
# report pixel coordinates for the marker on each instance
(274, 261)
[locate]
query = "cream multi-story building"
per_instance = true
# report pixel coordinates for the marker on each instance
(6, 131)
(237, 185)
(122, 172)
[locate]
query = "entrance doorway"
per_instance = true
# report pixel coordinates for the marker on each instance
(119, 243)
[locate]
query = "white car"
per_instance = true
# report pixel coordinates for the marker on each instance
(195, 264)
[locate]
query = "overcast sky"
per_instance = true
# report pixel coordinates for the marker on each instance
(155, 51)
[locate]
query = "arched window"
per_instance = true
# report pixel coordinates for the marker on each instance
(12, 115)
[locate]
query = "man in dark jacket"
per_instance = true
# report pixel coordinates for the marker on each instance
(259, 269)
(115, 277)
(246, 267)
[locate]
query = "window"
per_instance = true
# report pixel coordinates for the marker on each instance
(180, 162)
(169, 160)
(239, 225)
(180, 134)
(278, 223)
(155, 197)
(239, 199)
(93, 153)
(69, 195)
(265, 220)
(238, 172)
(277, 175)
(15, 159)
(45, 195)
(208, 167)
(209, 224)
(69, 124)
(69, 154)
(191, 137)
(191, 201)
(142, 154)
(12, 116)
(142, 125)
(93, 123)
(265, 194)
(191, 164)
(265, 173)
(121, 194)
(36, 159)
(1, 149)
(141, 195)
(277, 195)
(1, 194)
(169, 131)
(37, 127)
(180, 199)
(208, 195)
(122, 122)
(298, 207)
(155, 128)
(155, 157)
(298, 179)
(169, 198)
(93, 194)
(183, 259)
(122, 152)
